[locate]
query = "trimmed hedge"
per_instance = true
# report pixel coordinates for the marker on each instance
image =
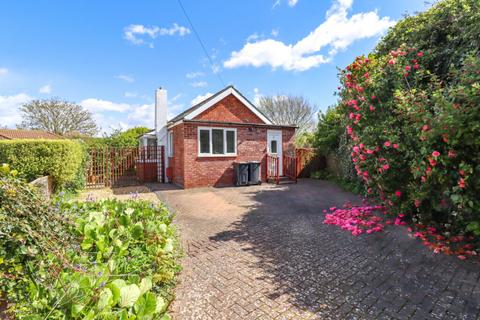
(64, 160)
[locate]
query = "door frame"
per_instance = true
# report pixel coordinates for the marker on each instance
(277, 136)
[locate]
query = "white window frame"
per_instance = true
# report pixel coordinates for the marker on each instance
(170, 144)
(224, 154)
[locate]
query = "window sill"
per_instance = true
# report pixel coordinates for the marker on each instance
(216, 155)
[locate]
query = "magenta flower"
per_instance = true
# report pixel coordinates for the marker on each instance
(387, 144)
(436, 154)
(398, 193)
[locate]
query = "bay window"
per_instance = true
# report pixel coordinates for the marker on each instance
(217, 141)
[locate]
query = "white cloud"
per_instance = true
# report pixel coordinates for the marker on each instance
(193, 75)
(142, 115)
(337, 32)
(256, 96)
(126, 78)
(275, 32)
(136, 33)
(199, 84)
(292, 3)
(46, 89)
(129, 94)
(276, 4)
(98, 105)
(253, 37)
(9, 112)
(3, 72)
(200, 98)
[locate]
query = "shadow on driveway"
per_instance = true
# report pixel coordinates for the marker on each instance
(263, 252)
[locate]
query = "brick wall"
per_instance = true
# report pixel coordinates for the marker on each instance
(229, 109)
(178, 155)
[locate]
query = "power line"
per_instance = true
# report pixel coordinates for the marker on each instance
(201, 44)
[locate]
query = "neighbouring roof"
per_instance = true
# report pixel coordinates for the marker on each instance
(12, 134)
(195, 110)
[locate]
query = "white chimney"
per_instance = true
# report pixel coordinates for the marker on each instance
(161, 116)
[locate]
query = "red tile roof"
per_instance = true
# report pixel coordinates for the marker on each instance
(10, 134)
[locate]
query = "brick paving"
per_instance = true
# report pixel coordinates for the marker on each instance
(263, 253)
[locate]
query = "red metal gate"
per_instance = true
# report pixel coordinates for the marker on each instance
(116, 167)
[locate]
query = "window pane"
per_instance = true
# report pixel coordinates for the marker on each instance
(273, 146)
(204, 141)
(230, 142)
(217, 141)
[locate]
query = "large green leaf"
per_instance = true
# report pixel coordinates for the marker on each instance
(145, 285)
(146, 306)
(129, 295)
(105, 299)
(115, 286)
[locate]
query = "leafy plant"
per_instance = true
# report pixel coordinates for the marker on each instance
(84, 260)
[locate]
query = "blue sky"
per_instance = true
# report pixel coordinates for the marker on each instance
(110, 55)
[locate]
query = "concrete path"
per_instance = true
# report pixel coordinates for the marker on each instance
(263, 253)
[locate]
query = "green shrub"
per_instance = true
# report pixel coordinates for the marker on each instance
(90, 260)
(64, 160)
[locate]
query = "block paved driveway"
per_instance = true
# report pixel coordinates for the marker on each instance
(262, 252)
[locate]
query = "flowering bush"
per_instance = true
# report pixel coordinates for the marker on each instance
(84, 260)
(414, 142)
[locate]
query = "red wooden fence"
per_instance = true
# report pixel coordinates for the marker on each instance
(273, 169)
(111, 167)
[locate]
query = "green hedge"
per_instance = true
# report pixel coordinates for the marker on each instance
(64, 160)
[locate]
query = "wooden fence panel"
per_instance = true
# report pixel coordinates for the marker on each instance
(308, 161)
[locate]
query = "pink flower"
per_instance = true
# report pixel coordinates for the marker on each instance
(407, 68)
(361, 145)
(436, 154)
(370, 151)
(374, 97)
(391, 62)
(461, 257)
(433, 163)
(461, 183)
(352, 115)
(387, 144)
(356, 149)
(425, 127)
(395, 146)
(416, 66)
(420, 54)
(398, 193)
(386, 167)
(372, 108)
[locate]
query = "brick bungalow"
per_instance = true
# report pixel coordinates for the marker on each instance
(203, 143)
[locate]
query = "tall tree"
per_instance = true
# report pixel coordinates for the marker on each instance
(57, 116)
(289, 110)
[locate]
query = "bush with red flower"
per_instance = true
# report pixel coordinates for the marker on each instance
(415, 142)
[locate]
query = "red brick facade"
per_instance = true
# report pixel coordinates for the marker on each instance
(229, 109)
(191, 170)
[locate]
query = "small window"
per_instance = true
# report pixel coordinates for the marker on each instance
(204, 141)
(170, 144)
(273, 146)
(217, 141)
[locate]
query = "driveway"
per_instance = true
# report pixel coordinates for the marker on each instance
(263, 252)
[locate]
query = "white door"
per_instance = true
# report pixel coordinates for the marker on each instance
(274, 147)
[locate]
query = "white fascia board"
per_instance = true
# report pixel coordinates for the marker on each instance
(223, 95)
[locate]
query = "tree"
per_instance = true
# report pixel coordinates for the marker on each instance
(57, 116)
(289, 110)
(329, 130)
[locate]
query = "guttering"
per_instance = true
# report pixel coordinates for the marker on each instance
(245, 124)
